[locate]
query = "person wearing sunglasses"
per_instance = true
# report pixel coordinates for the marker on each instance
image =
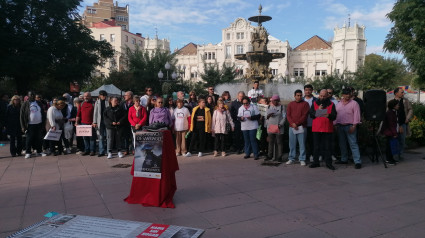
(248, 115)
(160, 114)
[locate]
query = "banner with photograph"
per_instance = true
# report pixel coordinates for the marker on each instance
(148, 154)
(76, 226)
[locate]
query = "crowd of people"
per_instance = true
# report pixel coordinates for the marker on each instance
(251, 124)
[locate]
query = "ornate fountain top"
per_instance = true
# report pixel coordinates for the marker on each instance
(260, 19)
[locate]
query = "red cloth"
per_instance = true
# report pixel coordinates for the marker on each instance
(297, 112)
(85, 112)
(157, 192)
(323, 124)
(133, 119)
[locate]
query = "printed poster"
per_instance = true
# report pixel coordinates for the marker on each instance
(83, 130)
(263, 109)
(53, 135)
(76, 226)
(148, 154)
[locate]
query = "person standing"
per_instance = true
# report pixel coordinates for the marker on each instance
(220, 119)
(255, 93)
(4, 101)
(212, 94)
(13, 126)
(237, 140)
(275, 119)
(297, 114)
(137, 116)
(56, 121)
(99, 122)
(126, 134)
(181, 125)
(248, 114)
(32, 118)
(144, 100)
(404, 114)
(323, 113)
(200, 126)
(114, 117)
(390, 128)
(309, 98)
(85, 117)
(348, 117)
(160, 114)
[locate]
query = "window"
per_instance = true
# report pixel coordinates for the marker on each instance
(122, 18)
(140, 43)
(112, 37)
(213, 55)
(91, 10)
(320, 72)
(228, 51)
(209, 55)
(124, 27)
(299, 72)
(228, 36)
(102, 37)
(274, 71)
(133, 41)
(239, 49)
(126, 38)
(239, 35)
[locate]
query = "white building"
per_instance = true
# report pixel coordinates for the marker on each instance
(119, 38)
(314, 57)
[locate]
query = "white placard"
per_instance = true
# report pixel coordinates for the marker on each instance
(53, 135)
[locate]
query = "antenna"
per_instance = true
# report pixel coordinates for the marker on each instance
(156, 32)
(349, 19)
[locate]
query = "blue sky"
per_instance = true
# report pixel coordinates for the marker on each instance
(201, 21)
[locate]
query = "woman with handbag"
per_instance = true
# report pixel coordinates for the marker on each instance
(222, 124)
(248, 115)
(390, 130)
(275, 119)
(137, 116)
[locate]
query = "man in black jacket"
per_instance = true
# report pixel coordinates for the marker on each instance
(127, 135)
(238, 142)
(114, 118)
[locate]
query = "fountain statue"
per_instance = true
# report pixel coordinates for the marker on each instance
(259, 58)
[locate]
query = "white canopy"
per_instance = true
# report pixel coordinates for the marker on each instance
(109, 88)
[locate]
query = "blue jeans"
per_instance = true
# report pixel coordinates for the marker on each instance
(102, 139)
(250, 142)
(344, 136)
(90, 141)
(402, 139)
(293, 138)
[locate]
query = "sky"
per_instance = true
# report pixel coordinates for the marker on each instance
(201, 21)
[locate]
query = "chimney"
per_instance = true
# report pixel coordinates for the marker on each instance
(139, 34)
(105, 19)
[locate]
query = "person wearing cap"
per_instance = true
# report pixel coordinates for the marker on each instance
(255, 92)
(98, 120)
(348, 117)
(275, 119)
(297, 113)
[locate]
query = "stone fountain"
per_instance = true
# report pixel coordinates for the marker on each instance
(258, 57)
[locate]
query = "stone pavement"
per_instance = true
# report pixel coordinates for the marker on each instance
(228, 197)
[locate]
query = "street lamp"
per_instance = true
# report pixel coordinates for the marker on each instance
(161, 75)
(174, 75)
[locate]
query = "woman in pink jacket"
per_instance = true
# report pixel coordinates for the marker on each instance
(221, 117)
(137, 116)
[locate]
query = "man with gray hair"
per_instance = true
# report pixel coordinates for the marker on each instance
(85, 117)
(238, 142)
(99, 122)
(127, 135)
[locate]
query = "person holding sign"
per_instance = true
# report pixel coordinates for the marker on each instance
(248, 115)
(297, 114)
(275, 119)
(114, 117)
(323, 113)
(85, 117)
(56, 122)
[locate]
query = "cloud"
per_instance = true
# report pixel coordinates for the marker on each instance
(278, 8)
(374, 49)
(374, 17)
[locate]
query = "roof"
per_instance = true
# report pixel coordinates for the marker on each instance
(314, 43)
(108, 23)
(189, 49)
(109, 88)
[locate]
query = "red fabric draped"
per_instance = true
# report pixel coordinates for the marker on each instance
(157, 192)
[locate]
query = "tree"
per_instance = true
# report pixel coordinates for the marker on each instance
(407, 36)
(43, 45)
(380, 73)
(335, 81)
(213, 75)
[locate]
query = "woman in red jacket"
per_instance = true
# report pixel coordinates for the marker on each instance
(137, 116)
(390, 129)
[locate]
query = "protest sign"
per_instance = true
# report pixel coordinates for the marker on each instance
(53, 135)
(84, 130)
(148, 154)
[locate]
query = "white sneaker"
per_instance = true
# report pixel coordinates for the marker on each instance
(120, 154)
(302, 163)
(109, 155)
(68, 151)
(177, 154)
(200, 154)
(333, 158)
(42, 154)
(320, 158)
(289, 162)
(188, 154)
(79, 153)
(27, 156)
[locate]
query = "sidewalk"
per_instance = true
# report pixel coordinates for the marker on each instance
(228, 197)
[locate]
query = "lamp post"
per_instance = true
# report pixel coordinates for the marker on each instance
(167, 67)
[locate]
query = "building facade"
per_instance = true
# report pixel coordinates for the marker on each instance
(312, 59)
(105, 10)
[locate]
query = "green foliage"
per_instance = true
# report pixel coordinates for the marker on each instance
(418, 110)
(213, 75)
(407, 36)
(417, 124)
(335, 81)
(42, 45)
(380, 73)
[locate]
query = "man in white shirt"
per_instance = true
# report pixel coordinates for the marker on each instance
(255, 93)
